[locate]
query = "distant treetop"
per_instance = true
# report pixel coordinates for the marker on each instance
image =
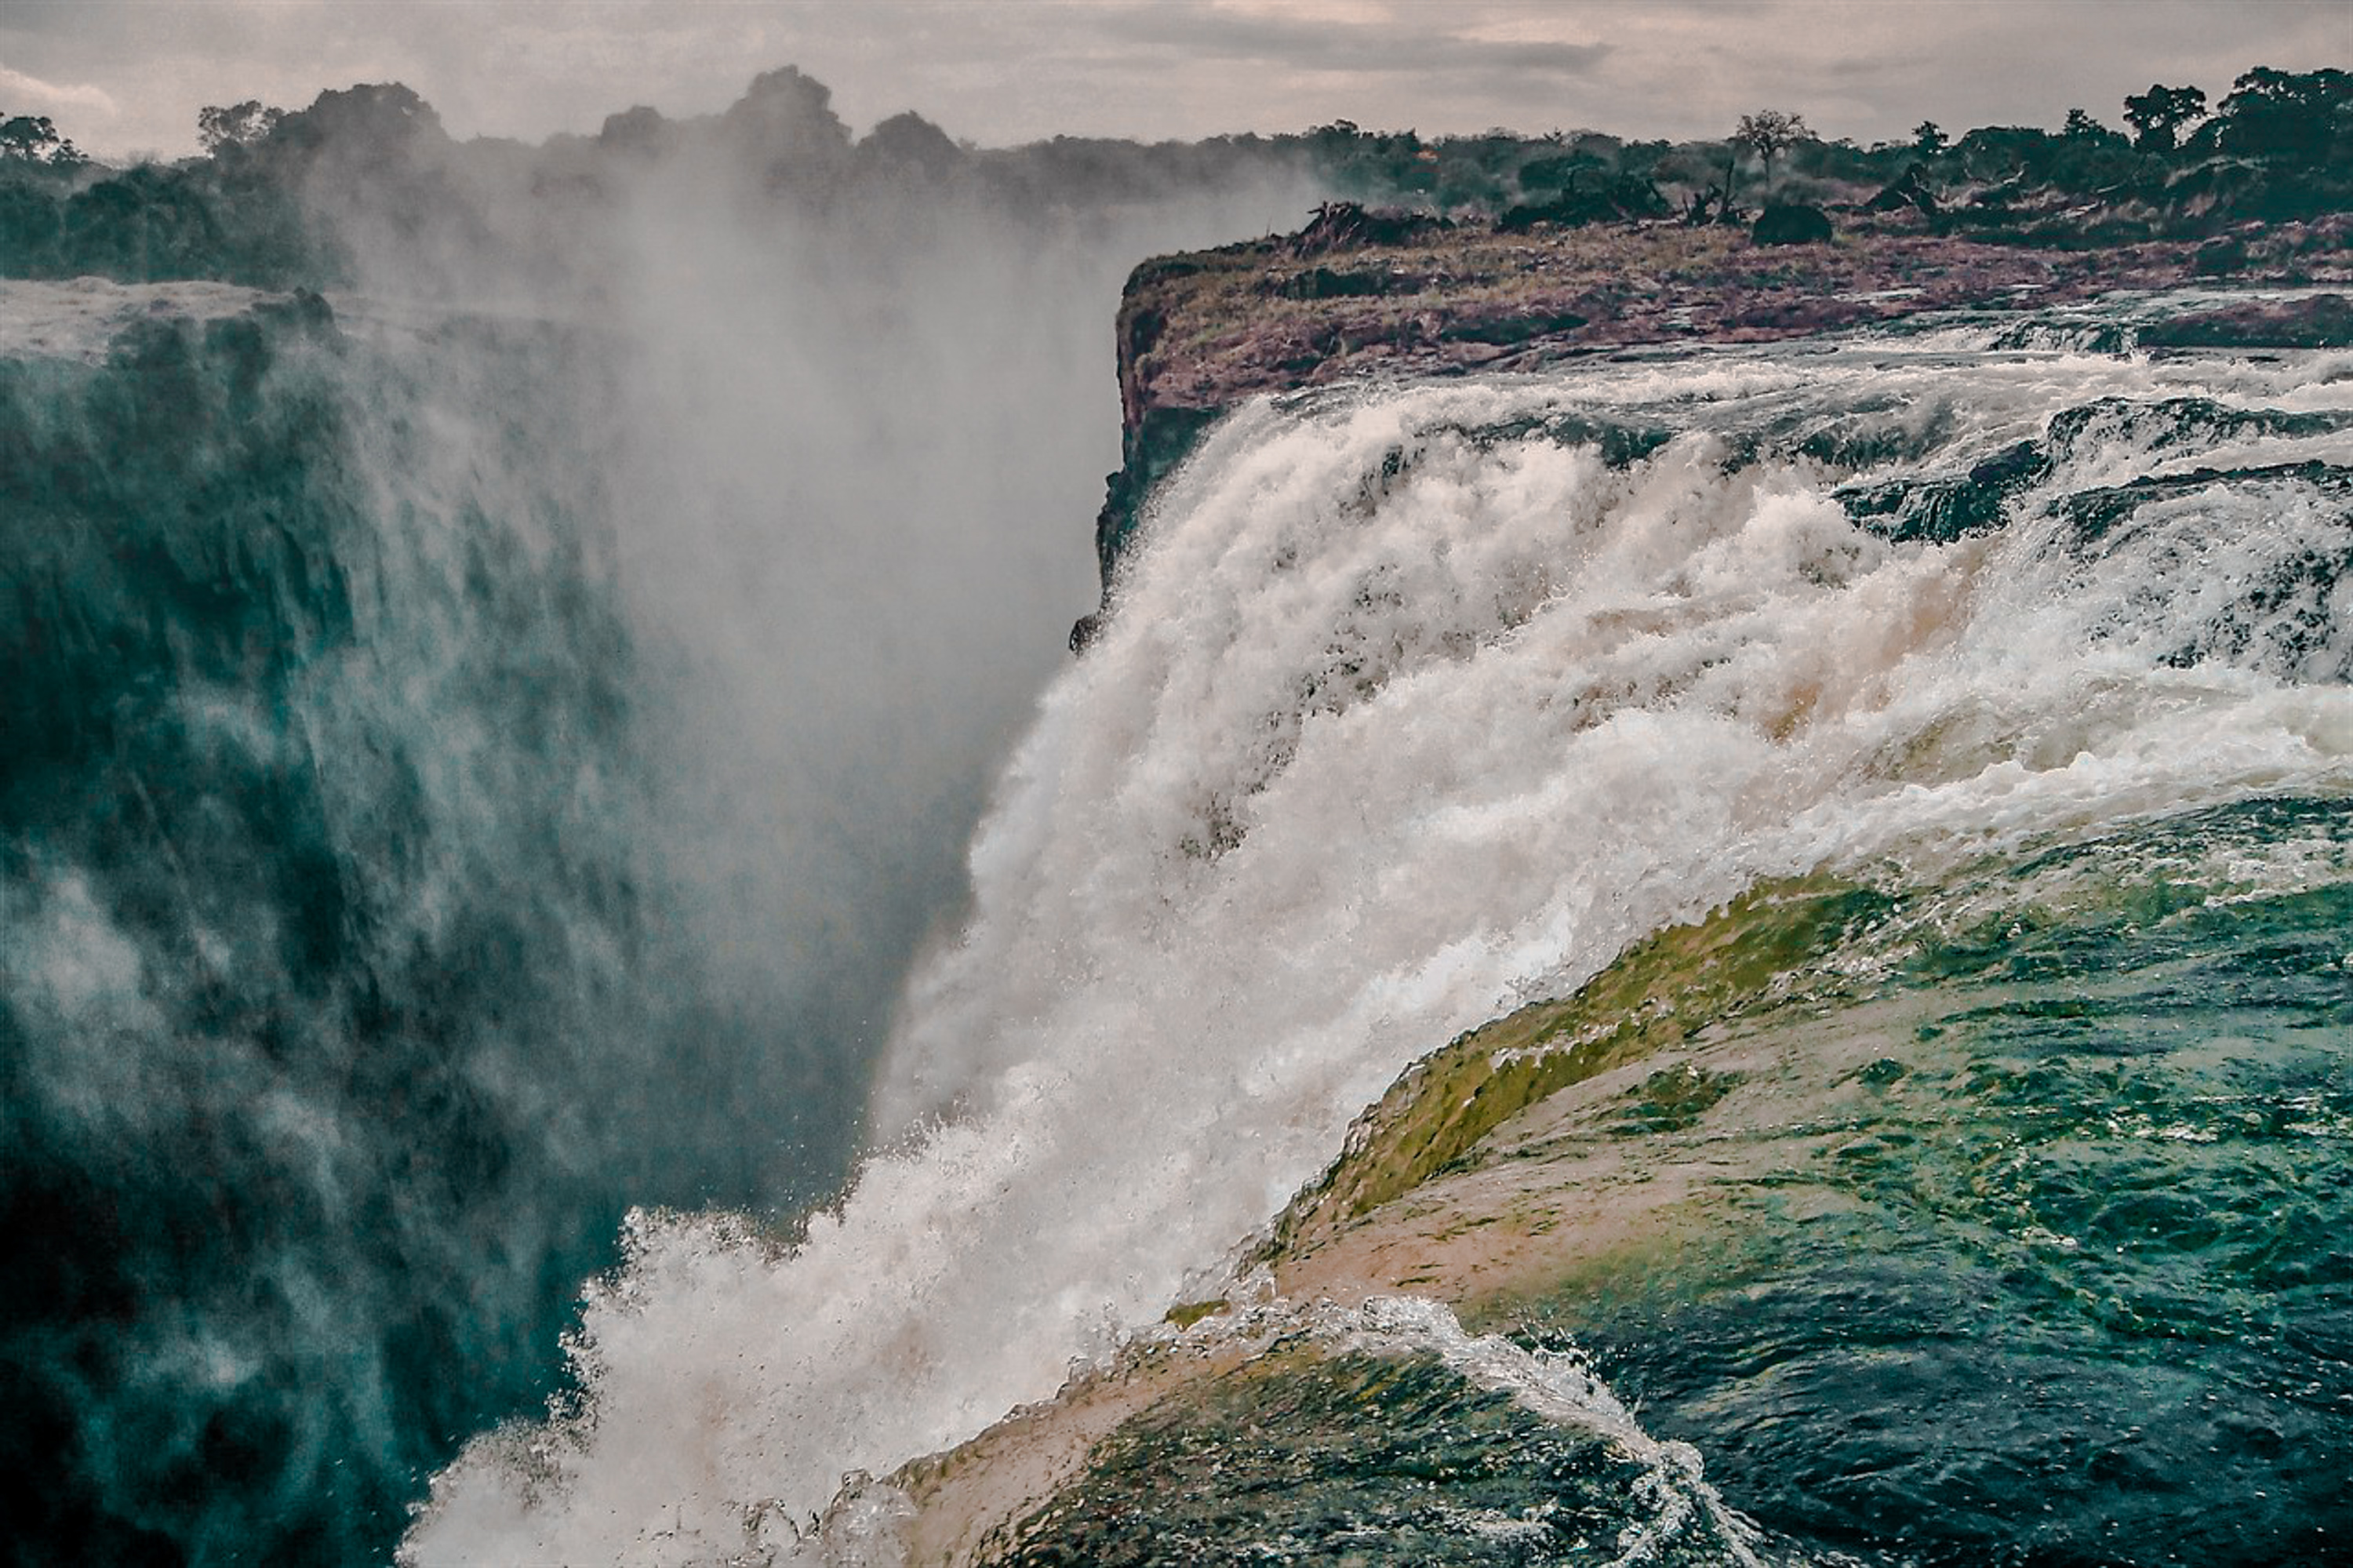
(2157, 115)
(1770, 132)
(32, 139)
(238, 125)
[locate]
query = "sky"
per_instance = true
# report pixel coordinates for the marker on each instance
(126, 76)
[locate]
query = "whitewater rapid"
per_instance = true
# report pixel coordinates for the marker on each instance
(1417, 702)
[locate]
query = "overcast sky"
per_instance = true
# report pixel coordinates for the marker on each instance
(128, 76)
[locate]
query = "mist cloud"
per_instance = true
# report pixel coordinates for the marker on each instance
(668, 534)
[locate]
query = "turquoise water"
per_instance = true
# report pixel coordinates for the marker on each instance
(2082, 1290)
(1352, 1459)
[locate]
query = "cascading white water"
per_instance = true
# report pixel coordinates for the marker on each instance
(1409, 711)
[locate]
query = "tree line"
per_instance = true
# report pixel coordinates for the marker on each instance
(248, 208)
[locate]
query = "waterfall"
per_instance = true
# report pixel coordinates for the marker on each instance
(1416, 703)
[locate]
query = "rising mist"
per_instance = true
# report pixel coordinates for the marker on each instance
(503, 734)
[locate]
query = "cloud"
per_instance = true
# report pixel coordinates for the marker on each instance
(22, 94)
(1363, 47)
(1004, 71)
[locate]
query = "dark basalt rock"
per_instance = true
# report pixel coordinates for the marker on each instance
(1906, 191)
(2093, 514)
(2318, 320)
(1158, 440)
(2218, 257)
(1508, 331)
(1791, 223)
(1623, 199)
(1202, 332)
(1345, 225)
(1941, 511)
(1323, 283)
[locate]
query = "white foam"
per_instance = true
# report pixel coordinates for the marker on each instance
(1563, 1388)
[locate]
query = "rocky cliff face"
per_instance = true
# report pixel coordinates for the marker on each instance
(1356, 295)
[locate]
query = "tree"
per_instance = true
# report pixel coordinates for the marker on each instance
(2278, 114)
(29, 137)
(908, 141)
(639, 129)
(2081, 126)
(2157, 116)
(1768, 133)
(238, 125)
(368, 117)
(1928, 139)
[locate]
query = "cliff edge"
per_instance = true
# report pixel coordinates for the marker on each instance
(1358, 294)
